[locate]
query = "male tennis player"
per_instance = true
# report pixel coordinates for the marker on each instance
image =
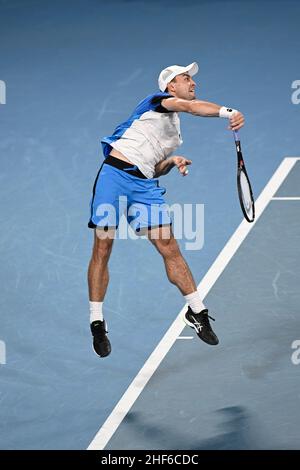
(136, 154)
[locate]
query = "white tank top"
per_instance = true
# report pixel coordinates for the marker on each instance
(150, 135)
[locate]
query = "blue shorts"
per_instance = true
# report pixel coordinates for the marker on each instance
(117, 191)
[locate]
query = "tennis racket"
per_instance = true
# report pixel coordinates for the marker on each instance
(243, 183)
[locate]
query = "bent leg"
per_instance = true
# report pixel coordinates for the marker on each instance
(177, 269)
(179, 274)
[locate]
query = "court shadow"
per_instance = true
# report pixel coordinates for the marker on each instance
(233, 433)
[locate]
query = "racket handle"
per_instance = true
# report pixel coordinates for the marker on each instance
(236, 136)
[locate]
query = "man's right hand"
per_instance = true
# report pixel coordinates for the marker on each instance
(236, 121)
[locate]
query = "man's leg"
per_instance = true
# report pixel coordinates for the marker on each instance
(98, 278)
(177, 269)
(179, 274)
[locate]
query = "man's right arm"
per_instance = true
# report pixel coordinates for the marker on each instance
(197, 107)
(205, 109)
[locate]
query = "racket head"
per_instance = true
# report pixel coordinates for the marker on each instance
(245, 194)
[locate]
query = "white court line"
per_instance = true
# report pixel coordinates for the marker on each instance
(139, 382)
(185, 337)
(286, 198)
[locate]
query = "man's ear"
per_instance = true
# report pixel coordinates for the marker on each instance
(170, 87)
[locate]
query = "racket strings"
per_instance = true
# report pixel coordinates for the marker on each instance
(247, 199)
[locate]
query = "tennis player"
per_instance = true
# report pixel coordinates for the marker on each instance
(135, 155)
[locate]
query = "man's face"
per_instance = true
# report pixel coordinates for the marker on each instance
(183, 86)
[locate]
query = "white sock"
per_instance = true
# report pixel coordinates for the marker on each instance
(96, 311)
(195, 302)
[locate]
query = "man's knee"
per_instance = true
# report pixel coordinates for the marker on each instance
(163, 240)
(167, 247)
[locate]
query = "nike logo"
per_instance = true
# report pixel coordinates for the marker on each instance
(134, 168)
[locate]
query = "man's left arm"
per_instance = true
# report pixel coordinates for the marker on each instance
(163, 167)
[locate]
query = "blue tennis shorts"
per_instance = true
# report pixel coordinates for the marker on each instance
(120, 188)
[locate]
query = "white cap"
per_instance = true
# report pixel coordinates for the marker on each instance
(166, 75)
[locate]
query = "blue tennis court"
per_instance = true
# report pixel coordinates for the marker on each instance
(68, 76)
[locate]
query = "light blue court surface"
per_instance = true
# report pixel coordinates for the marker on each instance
(72, 73)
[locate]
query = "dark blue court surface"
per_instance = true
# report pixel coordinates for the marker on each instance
(73, 71)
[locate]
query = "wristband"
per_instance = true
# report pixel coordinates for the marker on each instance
(227, 112)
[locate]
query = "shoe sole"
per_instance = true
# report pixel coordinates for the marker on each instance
(99, 355)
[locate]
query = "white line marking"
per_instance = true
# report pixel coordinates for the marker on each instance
(137, 385)
(185, 337)
(285, 198)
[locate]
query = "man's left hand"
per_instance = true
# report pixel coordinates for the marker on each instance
(181, 163)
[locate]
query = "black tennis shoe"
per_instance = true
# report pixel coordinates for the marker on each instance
(200, 323)
(101, 343)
